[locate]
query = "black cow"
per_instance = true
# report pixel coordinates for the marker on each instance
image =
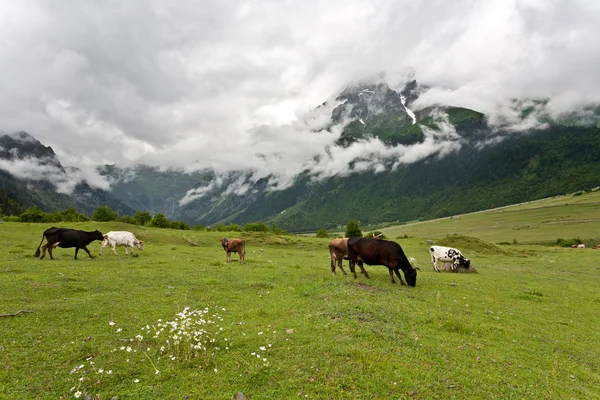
(380, 252)
(65, 238)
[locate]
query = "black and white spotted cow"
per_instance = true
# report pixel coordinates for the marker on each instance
(448, 254)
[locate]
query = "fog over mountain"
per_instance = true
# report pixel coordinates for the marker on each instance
(240, 85)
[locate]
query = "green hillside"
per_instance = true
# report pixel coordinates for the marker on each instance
(519, 328)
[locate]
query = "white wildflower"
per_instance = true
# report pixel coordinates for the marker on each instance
(111, 323)
(77, 394)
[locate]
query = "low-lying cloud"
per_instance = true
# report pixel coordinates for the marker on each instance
(234, 86)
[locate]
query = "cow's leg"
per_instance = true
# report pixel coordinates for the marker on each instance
(332, 262)
(391, 275)
(434, 261)
(76, 251)
(353, 268)
(87, 251)
(340, 262)
(399, 277)
(103, 245)
(113, 248)
(362, 269)
(228, 257)
(127, 249)
(44, 251)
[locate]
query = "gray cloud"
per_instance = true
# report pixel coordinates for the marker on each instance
(233, 85)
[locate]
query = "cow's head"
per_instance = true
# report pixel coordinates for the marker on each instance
(97, 235)
(466, 262)
(411, 276)
(139, 244)
(224, 243)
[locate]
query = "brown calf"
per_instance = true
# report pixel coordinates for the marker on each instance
(234, 246)
(338, 250)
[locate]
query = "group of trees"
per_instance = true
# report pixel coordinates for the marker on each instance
(102, 214)
(142, 218)
(352, 230)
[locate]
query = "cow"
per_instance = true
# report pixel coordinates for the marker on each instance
(66, 238)
(380, 252)
(121, 238)
(338, 250)
(581, 246)
(597, 246)
(448, 254)
(234, 246)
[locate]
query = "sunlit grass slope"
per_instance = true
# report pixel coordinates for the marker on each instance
(525, 326)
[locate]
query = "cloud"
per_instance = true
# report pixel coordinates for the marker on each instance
(235, 85)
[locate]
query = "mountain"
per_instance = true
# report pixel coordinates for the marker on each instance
(480, 167)
(437, 161)
(31, 175)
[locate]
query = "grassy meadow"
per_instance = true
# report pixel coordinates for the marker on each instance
(283, 326)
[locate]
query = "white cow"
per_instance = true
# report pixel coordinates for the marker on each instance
(121, 238)
(581, 246)
(448, 254)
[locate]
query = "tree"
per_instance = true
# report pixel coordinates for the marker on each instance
(33, 214)
(159, 221)
(353, 229)
(142, 217)
(322, 233)
(104, 213)
(256, 227)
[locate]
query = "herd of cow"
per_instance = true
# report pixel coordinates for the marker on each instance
(68, 238)
(357, 250)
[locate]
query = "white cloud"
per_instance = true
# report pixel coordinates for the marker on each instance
(231, 85)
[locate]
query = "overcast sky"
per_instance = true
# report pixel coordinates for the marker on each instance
(233, 84)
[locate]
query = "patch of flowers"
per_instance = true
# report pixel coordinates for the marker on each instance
(191, 336)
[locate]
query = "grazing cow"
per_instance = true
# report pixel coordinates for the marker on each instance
(448, 254)
(66, 238)
(581, 246)
(338, 250)
(234, 246)
(380, 252)
(121, 238)
(597, 246)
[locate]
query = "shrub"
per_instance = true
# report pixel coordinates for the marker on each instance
(33, 214)
(142, 217)
(104, 213)
(322, 233)
(256, 227)
(159, 221)
(353, 229)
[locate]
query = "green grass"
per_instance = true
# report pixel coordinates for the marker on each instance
(533, 222)
(525, 326)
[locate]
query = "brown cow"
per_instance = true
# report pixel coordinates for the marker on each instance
(598, 246)
(338, 250)
(234, 246)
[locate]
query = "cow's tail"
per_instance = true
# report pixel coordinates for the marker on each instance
(37, 252)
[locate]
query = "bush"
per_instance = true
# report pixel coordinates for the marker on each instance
(33, 214)
(142, 217)
(104, 213)
(179, 225)
(353, 229)
(128, 219)
(277, 230)
(568, 242)
(256, 227)
(322, 233)
(159, 221)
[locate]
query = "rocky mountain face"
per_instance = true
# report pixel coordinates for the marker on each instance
(30, 173)
(443, 161)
